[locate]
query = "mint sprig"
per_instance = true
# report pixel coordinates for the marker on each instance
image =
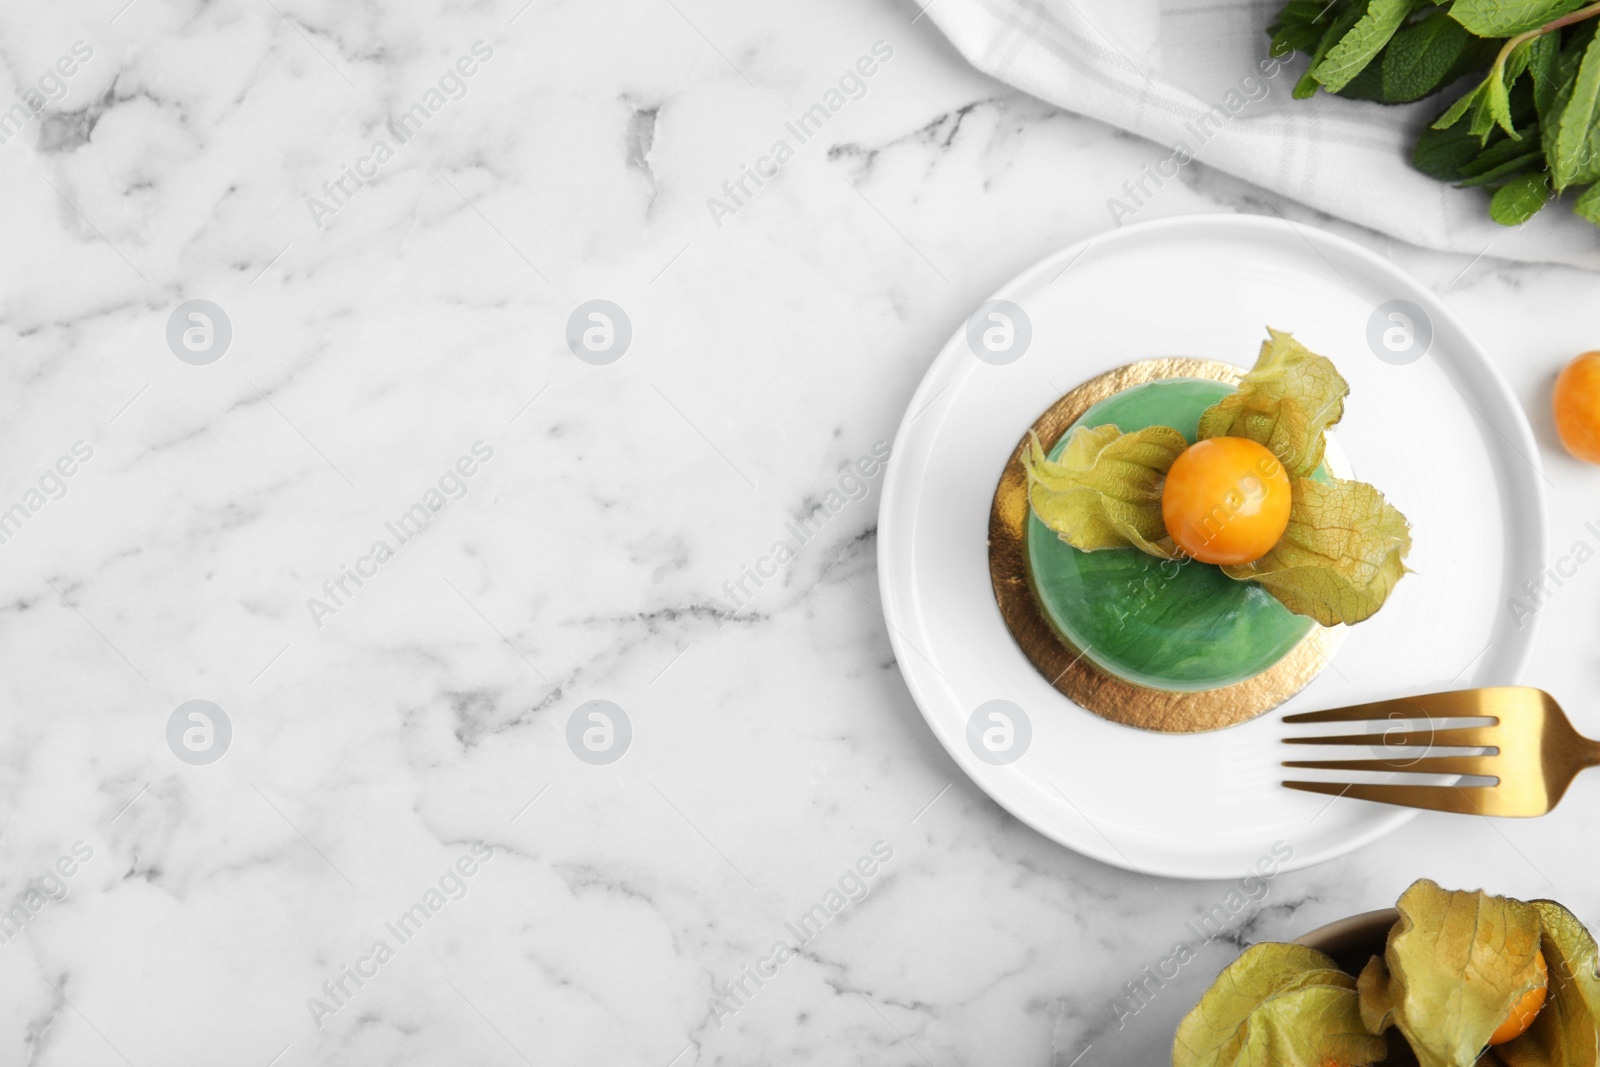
(1526, 127)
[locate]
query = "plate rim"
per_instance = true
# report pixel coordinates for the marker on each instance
(1247, 226)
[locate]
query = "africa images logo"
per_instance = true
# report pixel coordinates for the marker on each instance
(451, 85)
(452, 485)
(451, 886)
(852, 887)
(852, 85)
(52, 86)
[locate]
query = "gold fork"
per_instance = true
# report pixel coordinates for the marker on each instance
(1536, 753)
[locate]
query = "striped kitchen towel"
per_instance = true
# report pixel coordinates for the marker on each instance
(1196, 78)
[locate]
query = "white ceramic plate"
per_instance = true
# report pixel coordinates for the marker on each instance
(1440, 435)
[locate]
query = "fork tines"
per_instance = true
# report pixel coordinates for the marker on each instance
(1513, 736)
(1414, 733)
(1462, 800)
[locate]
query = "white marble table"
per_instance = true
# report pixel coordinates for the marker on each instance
(562, 532)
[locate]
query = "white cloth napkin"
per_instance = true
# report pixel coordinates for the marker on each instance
(1195, 77)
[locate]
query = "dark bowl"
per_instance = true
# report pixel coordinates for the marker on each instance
(1354, 940)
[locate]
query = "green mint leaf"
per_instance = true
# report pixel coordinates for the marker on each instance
(1551, 131)
(1520, 199)
(1483, 120)
(1368, 85)
(1499, 101)
(1575, 41)
(1517, 61)
(1362, 44)
(1588, 160)
(1523, 111)
(1299, 27)
(1479, 58)
(1571, 59)
(1530, 162)
(1338, 22)
(1588, 205)
(1577, 157)
(1459, 109)
(1503, 160)
(1544, 63)
(1507, 18)
(1421, 57)
(1446, 153)
(1500, 151)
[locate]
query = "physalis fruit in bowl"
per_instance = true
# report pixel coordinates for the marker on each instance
(1465, 980)
(1250, 496)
